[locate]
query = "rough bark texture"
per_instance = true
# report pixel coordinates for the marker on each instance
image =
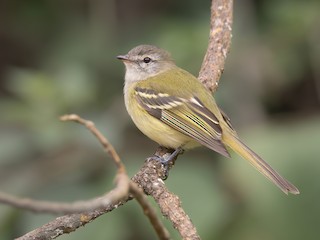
(149, 178)
(219, 43)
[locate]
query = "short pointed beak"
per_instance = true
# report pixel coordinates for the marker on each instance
(123, 57)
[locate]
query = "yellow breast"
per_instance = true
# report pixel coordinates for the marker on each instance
(154, 128)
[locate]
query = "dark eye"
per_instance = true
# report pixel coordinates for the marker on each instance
(147, 60)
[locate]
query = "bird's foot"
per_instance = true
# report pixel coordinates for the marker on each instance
(167, 161)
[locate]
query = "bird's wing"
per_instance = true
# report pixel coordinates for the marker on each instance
(188, 116)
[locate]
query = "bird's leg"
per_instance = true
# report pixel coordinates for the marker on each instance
(168, 161)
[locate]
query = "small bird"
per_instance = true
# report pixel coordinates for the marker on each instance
(173, 108)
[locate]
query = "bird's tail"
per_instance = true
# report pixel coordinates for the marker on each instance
(245, 152)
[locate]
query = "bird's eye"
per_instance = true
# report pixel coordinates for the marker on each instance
(147, 60)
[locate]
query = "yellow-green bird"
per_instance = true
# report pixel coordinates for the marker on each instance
(171, 107)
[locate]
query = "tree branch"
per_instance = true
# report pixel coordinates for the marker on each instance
(219, 43)
(90, 209)
(139, 195)
(105, 143)
(119, 192)
(210, 73)
(150, 176)
(66, 224)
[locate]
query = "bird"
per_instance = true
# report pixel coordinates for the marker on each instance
(173, 108)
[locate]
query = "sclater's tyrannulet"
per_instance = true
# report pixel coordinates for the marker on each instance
(170, 106)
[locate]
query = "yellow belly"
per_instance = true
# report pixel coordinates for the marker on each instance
(156, 130)
(162, 133)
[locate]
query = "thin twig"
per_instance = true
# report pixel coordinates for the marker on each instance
(139, 195)
(90, 209)
(105, 143)
(119, 192)
(136, 192)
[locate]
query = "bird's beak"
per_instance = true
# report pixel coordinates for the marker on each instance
(123, 58)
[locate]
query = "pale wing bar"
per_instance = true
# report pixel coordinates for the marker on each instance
(169, 110)
(198, 134)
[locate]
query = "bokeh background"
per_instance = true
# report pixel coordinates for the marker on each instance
(58, 57)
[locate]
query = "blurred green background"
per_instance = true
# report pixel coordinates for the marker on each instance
(58, 57)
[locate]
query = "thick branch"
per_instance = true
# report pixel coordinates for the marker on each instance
(210, 73)
(149, 178)
(65, 224)
(219, 43)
